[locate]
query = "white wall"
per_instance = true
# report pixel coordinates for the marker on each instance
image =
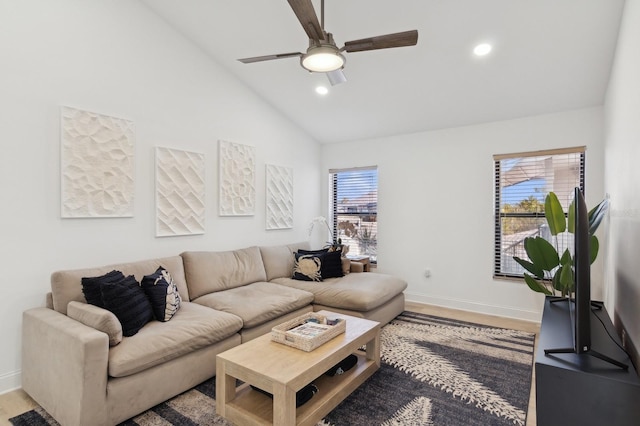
(119, 59)
(435, 204)
(622, 175)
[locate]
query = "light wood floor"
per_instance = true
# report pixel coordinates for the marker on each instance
(17, 402)
(14, 403)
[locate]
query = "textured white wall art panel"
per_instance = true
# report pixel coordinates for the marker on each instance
(97, 167)
(180, 192)
(237, 167)
(279, 183)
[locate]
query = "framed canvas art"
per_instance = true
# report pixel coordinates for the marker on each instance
(237, 168)
(279, 200)
(180, 192)
(97, 165)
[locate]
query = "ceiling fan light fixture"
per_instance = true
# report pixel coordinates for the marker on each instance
(322, 59)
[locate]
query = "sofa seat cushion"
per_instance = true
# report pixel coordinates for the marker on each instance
(358, 292)
(257, 303)
(191, 328)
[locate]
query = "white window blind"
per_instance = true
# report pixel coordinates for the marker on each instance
(522, 182)
(354, 209)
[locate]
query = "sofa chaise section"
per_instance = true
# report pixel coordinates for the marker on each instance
(370, 295)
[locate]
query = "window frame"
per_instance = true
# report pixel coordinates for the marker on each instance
(499, 215)
(333, 203)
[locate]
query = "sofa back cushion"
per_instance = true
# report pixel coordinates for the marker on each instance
(66, 286)
(210, 271)
(278, 260)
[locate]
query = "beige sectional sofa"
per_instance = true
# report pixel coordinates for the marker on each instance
(78, 367)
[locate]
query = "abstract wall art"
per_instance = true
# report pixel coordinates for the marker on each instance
(237, 168)
(279, 202)
(97, 165)
(180, 192)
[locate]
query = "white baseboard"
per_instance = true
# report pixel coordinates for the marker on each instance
(481, 308)
(10, 381)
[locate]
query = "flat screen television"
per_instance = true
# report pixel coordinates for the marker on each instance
(580, 307)
(582, 273)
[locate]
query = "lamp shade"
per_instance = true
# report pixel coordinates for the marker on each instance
(322, 59)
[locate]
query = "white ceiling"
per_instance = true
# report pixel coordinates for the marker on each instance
(548, 56)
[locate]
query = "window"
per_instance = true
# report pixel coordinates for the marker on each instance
(354, 209)
(522, 182)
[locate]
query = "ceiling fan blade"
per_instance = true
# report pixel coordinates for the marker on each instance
(307, 16)
(406, 38)
(270, 57)
(336, 77)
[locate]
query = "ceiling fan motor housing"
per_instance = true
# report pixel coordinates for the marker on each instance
(322, 56)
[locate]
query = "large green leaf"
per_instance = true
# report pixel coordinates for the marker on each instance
(571, 219)
(541, 253)
(535, 285)
(566, 278)
(534, 269)
(596, 215)
(555, 281)
(594, 246)
(554, 214)
(566, 257)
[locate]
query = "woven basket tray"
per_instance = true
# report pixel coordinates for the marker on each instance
(282, 334)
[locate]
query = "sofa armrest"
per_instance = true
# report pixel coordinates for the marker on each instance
(64, 367)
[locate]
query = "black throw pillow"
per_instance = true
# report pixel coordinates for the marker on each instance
(307, 267)
(91, 286)
(316, 252)
(130, 305)
(332, 265)
(331, 262)
(162, 293)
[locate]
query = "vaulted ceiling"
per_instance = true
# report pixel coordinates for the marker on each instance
(548, 56)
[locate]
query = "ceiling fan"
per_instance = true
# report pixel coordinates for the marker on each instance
(323, 55)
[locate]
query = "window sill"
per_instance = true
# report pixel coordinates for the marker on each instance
(512, 279)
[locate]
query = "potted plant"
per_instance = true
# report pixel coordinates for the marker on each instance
(550, 272)
(334, 244)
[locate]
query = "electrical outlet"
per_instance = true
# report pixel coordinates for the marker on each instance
(427, 273)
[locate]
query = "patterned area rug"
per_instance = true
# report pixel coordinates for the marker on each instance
(435, 371)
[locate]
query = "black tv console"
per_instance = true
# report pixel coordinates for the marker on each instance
(574, 389)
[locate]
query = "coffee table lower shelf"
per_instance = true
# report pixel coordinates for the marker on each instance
(258, 408)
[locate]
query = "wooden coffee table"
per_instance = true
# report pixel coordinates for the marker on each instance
(283, 370)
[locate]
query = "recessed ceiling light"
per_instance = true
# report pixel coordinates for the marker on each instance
(321, 90)
(482, 49)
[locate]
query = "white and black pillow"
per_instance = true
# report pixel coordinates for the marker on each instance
(307, 267)
(91, 286)
(130, 305)
(162, 293)
(331, 262)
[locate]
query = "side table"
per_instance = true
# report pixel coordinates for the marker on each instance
(364, 260)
